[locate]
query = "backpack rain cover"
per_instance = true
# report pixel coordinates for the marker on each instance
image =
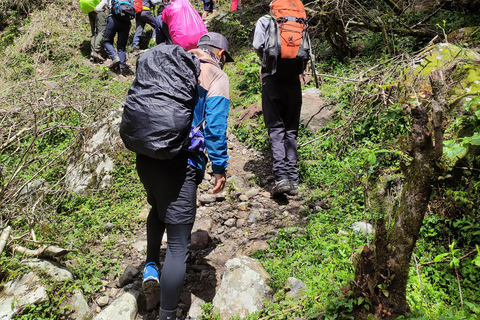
(158, 110)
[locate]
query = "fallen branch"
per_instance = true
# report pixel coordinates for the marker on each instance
(466, 168)
(7, 143)
(313, 140)
(448, 260)
(4, 237)
(49, 251)
(335, 77)
(286, 310)
(34, 80)
(427, 17)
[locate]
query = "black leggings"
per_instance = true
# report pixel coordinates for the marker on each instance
(175, 265)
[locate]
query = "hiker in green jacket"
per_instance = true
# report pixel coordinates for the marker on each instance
(97, 16)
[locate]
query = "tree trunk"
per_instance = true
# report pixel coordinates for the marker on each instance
(381, 275)
(335, 34)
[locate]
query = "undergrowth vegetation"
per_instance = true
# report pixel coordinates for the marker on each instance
(51, 101)
(52, 98)
(343, 164)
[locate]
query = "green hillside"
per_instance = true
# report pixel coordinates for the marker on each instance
(52, 99)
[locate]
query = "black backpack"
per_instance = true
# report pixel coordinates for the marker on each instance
(158, 111)
(123, 9)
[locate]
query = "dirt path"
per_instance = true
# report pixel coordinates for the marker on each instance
(240, 221)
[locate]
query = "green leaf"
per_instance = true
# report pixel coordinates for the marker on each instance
(360, 300)
(440, 257)
(371, 158)
(475, 139)
(476, 261)
(456, 262)
(452, 149)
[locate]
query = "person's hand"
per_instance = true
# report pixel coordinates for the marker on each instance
(100, 8)
(220, 180)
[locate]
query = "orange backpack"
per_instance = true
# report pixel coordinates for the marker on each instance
(291, 18)
(287, 37)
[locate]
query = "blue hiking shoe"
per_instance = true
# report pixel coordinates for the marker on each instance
(150, 272)
(151, 286)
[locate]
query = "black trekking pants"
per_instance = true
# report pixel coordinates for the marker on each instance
(281, 105)
(172, 193)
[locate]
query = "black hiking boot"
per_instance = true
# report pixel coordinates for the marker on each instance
(280, 188)
(293, 189)
(114, 64)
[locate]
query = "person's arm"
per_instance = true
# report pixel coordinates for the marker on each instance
(259, 37)
(216, 113)
(101, 6)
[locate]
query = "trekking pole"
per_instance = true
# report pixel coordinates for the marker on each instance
(314, 72)
(312, 61)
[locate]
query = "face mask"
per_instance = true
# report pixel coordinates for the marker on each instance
(214, 57)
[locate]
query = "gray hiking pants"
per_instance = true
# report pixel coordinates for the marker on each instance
(281, 105)
(98, 23)
(143, 18)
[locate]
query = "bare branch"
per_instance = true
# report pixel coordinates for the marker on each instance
(18, 134)
(4, 237)
(49, 251)
(428, 17)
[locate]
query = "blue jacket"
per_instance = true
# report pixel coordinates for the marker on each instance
(213, 106)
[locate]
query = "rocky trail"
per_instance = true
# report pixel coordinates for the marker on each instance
(233, 224)
(237, 222)
(229, 228)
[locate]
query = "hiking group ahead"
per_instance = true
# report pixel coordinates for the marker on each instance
(175, 115)
(177, 22)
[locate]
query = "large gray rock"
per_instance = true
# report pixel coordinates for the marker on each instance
(362, 227)
(295, 288)
(123, 308)
(236, 183)
(195, 310)
(207, 198)
(19, 293)
(94, 168)
(254, 216)
(204, 223)
(54, 269)
(252, 193)
(93, 171)
(32, 191)
(314, 113)
(75, 308)
(243, 289)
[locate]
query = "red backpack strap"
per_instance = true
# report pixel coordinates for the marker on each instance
(138, 5)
